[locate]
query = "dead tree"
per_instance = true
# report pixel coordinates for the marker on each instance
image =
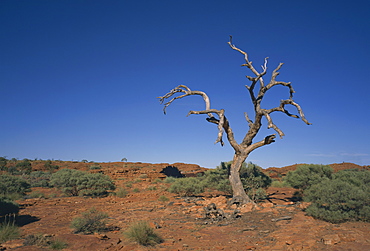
(218, 117)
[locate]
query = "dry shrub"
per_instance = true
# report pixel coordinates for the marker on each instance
(90, 222)
(143, 234)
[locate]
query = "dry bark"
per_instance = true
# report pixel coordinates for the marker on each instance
(243, 149)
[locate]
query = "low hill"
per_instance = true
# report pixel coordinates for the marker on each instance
(279, 172)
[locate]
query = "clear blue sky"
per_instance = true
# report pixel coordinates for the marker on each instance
(79, 79)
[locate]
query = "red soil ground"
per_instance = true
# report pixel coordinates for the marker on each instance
(276, 224)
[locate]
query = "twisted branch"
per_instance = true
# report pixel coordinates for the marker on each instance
(254, 126)
(222, 122)
(259, 112)
(188, 92)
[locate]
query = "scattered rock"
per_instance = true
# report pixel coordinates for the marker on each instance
(103, 237)
(330, 239)
(211, 212)
(282, 218)
(249, 247)
(246, 208)
(266, 204)
(11, 244)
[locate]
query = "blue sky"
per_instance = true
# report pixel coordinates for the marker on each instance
(79, 79)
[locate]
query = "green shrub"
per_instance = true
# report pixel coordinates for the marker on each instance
(137, 180)
(24, 166)
(96, 184)
(37, 194)
(143, 234)
(258, 194)
(13, 185)
(8, 206)
(50, 166)
(38, 179)
(13, 170)
(163, 198)
(187, 186)
(218, 178)
(253, 179)
(90, 222)
(156, 181)
(307, 175)
(8, 230)
(345, 197)
(57, 244)
(279, 183)
(79, 183)
(355, 177)
(152, 188)
(40, 240)
(121, 192)
(3, 162)
(43, 240)
(95, 167)
(169, 179)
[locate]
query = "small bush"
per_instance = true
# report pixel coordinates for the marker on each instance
(13, 170)
(218, 178)
(255, 181)
(49, 166)
(143, 234)
(137, 180)
(96, 184)
(345, 197)
(38, 179)
(258, 194)
(152, 188)
(57, 244)
(79, 183)
(90, 222)
(356, 177)
(36, 240)
(8, 231)
(121, 192)
(37, 194)
(43, 240)
(13, 185)
(169, 179)
(163, 198)
(95, 167)
(306, 176)
(3, 163)
(24, 166)
(69, 180)
(187, 186)
(279, 183)
(156, 181)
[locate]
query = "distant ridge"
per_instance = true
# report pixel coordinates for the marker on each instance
(279, 172)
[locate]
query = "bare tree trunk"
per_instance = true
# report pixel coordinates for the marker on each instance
(239, 194)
